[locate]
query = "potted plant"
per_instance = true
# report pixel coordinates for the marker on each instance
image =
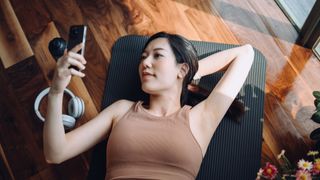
(304, 169)
(315, 134)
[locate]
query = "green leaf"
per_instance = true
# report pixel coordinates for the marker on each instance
(315, 135)
(316, 102)
(318, 107)
(316, 94)
(316, 117)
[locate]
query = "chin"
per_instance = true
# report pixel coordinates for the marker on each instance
(148, 89)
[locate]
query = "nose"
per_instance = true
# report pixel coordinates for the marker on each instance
(146, 63)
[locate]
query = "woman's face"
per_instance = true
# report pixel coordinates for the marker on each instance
(158, 69)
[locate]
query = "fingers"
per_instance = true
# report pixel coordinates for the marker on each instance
(73, 59)
(78, 57)
(193, 88)
(76, 73)
(79, 66)
(71, 63)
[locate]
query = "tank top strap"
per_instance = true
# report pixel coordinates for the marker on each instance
(184, 113)
(136, 106)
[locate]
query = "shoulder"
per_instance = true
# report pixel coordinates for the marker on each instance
(122, 103)
(119, 108)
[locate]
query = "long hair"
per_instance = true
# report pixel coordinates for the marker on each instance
(185, 52)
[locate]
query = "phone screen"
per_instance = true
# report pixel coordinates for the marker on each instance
(77, 35)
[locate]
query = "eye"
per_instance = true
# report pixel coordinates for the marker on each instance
(157, 55)
(143, 56)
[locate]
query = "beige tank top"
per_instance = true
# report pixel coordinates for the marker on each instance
(144, 146)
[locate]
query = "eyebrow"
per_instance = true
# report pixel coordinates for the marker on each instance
(159, 49)
(155, 49)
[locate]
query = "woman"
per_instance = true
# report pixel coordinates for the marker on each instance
(160, 139)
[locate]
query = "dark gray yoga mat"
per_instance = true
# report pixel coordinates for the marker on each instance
(235, 148)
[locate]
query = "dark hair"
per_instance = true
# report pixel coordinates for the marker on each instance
(185, 52)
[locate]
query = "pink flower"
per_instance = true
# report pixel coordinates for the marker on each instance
(269, 171)
(303, 175)
(316, 167)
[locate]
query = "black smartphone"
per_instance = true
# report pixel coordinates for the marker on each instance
(77, 35)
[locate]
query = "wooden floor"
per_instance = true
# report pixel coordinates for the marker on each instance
(292, 71)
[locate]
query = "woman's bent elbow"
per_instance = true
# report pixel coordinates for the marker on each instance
(53, 159)
(249, 49)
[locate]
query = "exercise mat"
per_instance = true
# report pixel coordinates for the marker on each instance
(235, 149)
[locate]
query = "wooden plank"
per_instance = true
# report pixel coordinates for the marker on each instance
(160, 19)
(70, 169)
(14, 46)
(5, 169)
(64, 14)
(106, 24)
(19, 131)
(213, 29)
(33, 17)
(26, 144)
(268, 156)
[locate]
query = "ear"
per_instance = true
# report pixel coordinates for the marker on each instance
(184, 69)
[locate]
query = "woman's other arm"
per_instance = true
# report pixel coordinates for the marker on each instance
(237, 62)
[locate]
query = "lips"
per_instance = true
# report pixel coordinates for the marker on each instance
(146, 74)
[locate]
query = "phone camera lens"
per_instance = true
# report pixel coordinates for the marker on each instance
(74, 32)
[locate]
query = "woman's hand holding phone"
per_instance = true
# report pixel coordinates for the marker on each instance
(72, 62)
(65, 69)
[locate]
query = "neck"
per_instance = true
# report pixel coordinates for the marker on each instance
(163, 105)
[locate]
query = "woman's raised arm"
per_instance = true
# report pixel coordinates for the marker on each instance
(221, 60)
(237, 62)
